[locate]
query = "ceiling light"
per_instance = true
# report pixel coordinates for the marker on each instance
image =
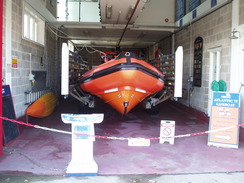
(130, 12)
(118, 17)
(108, 11)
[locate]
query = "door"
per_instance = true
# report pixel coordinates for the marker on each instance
(214, 72)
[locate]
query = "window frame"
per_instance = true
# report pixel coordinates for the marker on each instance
(33, 28)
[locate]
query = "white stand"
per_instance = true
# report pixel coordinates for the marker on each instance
(82, 162)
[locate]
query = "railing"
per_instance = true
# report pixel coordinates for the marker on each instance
(32, 96)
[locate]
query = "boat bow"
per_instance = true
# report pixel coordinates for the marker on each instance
(123, 82)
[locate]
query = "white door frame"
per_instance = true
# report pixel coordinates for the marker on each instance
(214, 67)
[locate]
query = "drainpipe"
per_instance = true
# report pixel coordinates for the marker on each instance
(1, 63)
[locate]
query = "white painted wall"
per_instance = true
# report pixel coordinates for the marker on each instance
(240, 79)
(237, 56)
(235, 47)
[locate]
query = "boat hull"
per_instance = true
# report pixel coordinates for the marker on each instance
(123, 83)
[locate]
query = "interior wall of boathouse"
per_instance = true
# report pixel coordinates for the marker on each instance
(215, 29)
(30, 57)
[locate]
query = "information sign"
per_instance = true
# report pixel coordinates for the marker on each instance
(224, 114)
(167, 132)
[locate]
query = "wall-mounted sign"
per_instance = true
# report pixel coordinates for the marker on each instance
(224, 114)
(10, 129)
(14, 63)
(197, 65)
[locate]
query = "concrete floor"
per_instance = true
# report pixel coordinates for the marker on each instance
(38, 152)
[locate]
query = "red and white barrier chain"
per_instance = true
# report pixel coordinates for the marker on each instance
(118, 138)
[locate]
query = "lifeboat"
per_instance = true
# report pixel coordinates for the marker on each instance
(123, 82)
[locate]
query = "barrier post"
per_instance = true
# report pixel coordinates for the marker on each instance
(82, 162)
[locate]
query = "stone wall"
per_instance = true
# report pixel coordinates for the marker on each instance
(43, 58)
(166, 46)
(215, 30)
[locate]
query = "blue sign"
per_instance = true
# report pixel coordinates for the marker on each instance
(79, 130)
(82, 118)
(76, 118)
(193, 4)
(180, 9)
(224, 99)
(6, 90)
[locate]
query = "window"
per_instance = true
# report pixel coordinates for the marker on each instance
(78, 10)
(33, 26)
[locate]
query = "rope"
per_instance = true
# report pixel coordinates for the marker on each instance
(119, 138)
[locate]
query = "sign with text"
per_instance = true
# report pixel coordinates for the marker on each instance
(167, 132)
(10, 129)
(224, 114)
(14, 63)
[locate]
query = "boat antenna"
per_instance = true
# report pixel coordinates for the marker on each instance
(122, 35)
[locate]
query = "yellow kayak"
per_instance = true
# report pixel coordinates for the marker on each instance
(42, 107)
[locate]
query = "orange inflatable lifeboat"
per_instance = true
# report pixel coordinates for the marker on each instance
(123, 82)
